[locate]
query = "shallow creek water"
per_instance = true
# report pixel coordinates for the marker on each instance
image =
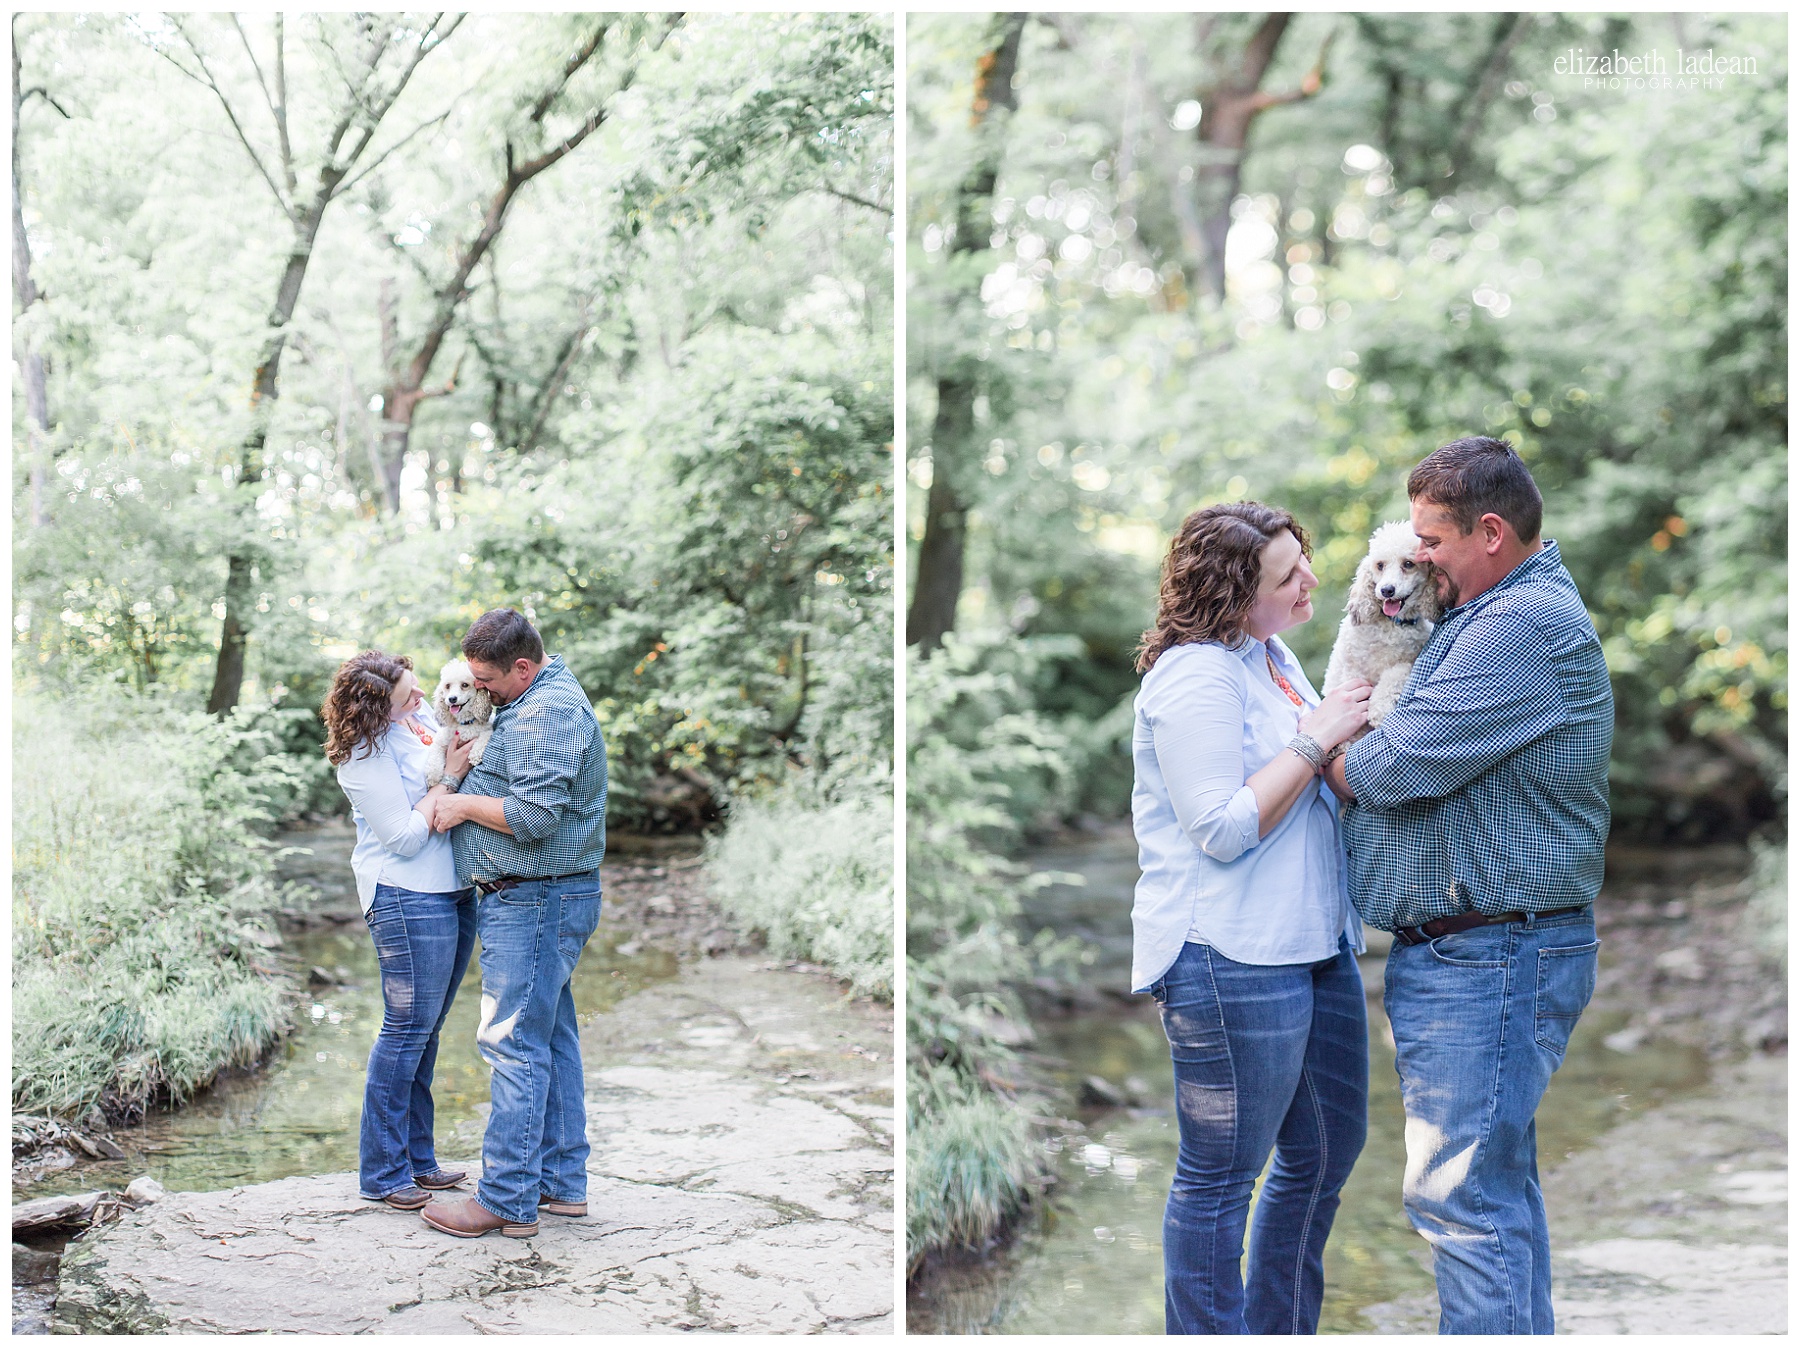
(1094, 1264)
(297, 1112)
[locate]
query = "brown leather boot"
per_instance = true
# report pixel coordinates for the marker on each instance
(440, 1179)
(468, 1219)
(559, 1208)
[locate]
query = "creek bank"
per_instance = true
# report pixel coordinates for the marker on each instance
(1657, 1044)
(741, 1115)
(1673, 1222)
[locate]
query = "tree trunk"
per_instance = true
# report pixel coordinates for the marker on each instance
(31, 361)
(938, 583)
(265, 389)
(1229, 108)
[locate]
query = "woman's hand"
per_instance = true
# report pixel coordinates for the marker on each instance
(456, 755)
(1343, 712)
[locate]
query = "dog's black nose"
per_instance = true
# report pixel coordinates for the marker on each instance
(1387, 591)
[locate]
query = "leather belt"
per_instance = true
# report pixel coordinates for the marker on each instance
(1468, 921)
(487, 886)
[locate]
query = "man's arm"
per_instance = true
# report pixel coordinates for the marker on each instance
(486, 810)
(544, 756)
(1334, 777)
(1495, 692)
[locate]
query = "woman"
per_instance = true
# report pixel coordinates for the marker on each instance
(377, 730)
(1242, 925)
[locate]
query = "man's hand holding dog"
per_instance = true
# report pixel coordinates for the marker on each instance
(486, 810)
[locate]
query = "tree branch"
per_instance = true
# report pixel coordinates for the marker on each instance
(44, 94)
(578, 59)
(1494, 70)
(382, 158)
(855, 200)
(427, 44)
(206, 78)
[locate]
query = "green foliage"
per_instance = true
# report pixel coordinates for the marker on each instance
(661, 423)
(1600, 281)
(815, 877)
(140, 899)
(981, 765)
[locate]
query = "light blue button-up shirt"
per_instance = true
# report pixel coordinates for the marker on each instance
(1208, 717)
(394, 844)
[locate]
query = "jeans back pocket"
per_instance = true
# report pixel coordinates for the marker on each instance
(1565, 981)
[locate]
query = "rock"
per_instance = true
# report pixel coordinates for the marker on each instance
(1628, 1039)
(54, 1213)
(720, 1201)
(1683, 963)
(33, 1267)
(1099, 1090)
(144, 1190)
(320, 977)
(97, 1148)
(1139, 1091)
(93, 1120)
(308, 1255)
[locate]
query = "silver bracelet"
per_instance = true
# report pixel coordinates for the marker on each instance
(1308, 747)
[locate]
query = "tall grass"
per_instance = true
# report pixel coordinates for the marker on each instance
(815, 876)
(140, 894)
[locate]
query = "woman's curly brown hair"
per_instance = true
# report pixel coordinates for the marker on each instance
(359, 708)
(1210, 577)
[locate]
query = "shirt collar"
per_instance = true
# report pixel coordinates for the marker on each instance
(1534, 567)
(1255, 652)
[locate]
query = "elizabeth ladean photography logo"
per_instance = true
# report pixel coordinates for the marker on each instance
(1651, 69)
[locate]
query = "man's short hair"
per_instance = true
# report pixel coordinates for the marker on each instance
(1480, 475)
(500, 636)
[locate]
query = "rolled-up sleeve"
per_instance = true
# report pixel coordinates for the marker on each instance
(1197, 724)
(548, 750)
(1495, 692)
(376, 791)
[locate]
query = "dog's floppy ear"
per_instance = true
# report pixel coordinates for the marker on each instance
(1361, 604)
(1431, 607)
(483, 705)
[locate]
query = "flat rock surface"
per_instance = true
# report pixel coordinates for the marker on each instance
(1673, 1222)
(741, 1181)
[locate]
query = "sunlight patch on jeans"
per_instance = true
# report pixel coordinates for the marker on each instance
(491, 1034)
(1433, 1171)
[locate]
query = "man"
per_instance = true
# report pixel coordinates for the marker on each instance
(530, 831)
(1476, 835)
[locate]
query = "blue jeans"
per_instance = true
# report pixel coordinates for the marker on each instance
(1481, 1021)
(423, 941)
(532, 936)
(1266, 1057)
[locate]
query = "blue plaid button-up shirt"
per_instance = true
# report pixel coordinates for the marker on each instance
(548, 763)
(1485, 786)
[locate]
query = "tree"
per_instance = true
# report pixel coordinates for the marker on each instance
(381, 59)
(938, 580)
(1229, 105)
(406, 370)
(25, 291)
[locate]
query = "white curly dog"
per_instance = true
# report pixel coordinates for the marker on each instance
(463, 707)
(1388, 617)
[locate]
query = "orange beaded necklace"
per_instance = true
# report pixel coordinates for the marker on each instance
(1281, 682)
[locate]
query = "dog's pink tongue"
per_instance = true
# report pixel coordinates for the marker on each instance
(1392, 607)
